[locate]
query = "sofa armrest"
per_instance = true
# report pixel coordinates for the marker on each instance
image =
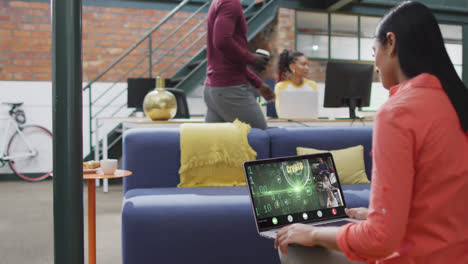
(192, 225)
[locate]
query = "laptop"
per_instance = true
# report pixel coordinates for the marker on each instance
(297, 189)
(298, 104)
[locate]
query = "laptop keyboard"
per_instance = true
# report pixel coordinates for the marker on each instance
(270, 234)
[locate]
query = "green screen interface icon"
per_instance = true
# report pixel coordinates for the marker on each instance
(296, 173)
(274, 220)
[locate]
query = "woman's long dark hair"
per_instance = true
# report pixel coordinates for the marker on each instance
(285, 59)
(420, 49)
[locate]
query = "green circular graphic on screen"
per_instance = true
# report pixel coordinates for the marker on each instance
(296, 173)
(274, 220)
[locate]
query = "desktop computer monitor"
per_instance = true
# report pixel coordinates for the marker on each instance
(137, 90)
(348, 85)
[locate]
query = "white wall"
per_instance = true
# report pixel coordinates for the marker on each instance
(37, 98)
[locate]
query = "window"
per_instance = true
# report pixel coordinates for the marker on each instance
(326, 36)
(452, 35)
(344, 37)
(335, 36)
(350, 37)
(312, 36)
(366, 37)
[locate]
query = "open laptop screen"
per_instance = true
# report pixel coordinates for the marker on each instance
(294, 190)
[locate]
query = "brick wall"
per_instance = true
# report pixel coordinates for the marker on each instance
(279, 35)
(25, 40)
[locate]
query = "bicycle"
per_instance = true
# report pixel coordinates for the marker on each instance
(29, 149)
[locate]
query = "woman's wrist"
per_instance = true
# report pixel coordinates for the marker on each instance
(325, 237)
(313, 237)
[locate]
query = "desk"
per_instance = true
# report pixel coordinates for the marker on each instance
(92, 177)
(273, 122)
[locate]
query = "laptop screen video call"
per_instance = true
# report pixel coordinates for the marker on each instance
(294, 189)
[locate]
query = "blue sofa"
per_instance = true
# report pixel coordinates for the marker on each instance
(165, 224)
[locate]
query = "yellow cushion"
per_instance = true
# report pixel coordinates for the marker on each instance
(212, 154)
(349, 163)
(216, 175)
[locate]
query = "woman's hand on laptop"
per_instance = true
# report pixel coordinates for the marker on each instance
(306, 235)
(294, 234)
(359, 213)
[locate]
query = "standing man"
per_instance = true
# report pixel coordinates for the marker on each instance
(228, 93)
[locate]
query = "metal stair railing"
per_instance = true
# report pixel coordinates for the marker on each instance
(252, 4)
(147, 37)
(151, 63)
(93, 115)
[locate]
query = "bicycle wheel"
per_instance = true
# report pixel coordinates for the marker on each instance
(30, 153)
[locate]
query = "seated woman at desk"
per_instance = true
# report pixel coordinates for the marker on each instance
(293, 68)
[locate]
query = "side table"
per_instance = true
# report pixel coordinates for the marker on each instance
(92, 177)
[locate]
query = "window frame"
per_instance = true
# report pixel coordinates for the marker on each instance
(329, 35)
(359, 37)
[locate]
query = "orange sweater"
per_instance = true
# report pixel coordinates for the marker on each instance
(418, 210)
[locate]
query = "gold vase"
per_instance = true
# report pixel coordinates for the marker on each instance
(160, 104)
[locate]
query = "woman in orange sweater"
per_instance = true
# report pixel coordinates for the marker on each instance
(417, 211)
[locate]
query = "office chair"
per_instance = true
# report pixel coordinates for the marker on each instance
(182, 107)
